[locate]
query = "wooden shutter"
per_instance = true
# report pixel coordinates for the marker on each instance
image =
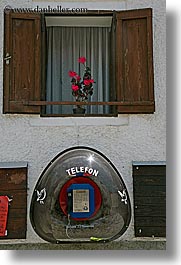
(43, 61)
(112, 76)
(134, 73)
(22, 80)
(13, 183)
(149, 188)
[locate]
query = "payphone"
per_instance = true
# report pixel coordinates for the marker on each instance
(80, 200)
(80, 197)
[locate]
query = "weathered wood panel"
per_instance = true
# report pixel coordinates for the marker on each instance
(150, 221)
(149, 170)
(152, 191)
(19, 197)
(15, 229)
(149, 200)
(150, 231)
(150, 180)
(12, 179)
(150, 210)
(13, 183)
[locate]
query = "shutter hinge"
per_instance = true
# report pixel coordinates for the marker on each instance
(7, 58)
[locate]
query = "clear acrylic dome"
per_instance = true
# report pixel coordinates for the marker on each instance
(86, 172)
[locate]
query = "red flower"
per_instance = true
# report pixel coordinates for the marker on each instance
(87, 82)
(82, 60)
(75, 87)
(91, 80)
(78, 78)
(72, 74)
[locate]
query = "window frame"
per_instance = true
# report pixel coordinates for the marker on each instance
(127, 107)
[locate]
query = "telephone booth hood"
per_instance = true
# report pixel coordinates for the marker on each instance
(81, 197)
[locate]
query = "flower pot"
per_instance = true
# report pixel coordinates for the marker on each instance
(79, 111)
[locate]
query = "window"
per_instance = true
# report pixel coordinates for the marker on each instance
(67, 40)
(40, 49)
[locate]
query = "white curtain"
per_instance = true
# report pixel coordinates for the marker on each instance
(65, 45)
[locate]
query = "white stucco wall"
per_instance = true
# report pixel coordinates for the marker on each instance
(123, 139)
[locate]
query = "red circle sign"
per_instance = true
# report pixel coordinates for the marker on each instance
(80, 180)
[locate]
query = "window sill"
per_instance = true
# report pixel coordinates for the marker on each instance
(121, 120)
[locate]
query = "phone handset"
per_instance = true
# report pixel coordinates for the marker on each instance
(69, 205)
